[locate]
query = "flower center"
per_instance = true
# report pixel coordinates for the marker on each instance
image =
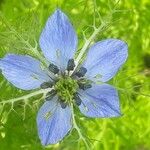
(66, 87)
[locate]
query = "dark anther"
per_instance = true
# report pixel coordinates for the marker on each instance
(81, 72)
(70, 65)
(53, 68)
(46, 85)
(50, 95)
(77, 99)
(84, 86)
(63, 104)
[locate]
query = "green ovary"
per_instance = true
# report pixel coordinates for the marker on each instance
(66, 87)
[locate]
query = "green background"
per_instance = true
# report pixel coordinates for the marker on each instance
(131, 24)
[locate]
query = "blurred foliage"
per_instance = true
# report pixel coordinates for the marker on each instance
(130, 23)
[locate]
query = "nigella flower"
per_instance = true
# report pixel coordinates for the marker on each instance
(67, 88)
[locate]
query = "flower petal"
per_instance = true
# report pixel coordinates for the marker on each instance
(53, 122)
(58, 40)
(100, 101)
(23, 72)
(105, 58)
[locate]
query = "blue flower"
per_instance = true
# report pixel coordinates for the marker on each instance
(58, 42)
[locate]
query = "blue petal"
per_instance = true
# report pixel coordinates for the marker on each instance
(100, 101)
(105, 58)
(53, 122)
(23, 72)
(58, 40)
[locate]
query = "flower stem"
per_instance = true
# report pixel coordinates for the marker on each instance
(87, 43)
(34, 50)
(25, 97)
(104, 24)
(75, 126)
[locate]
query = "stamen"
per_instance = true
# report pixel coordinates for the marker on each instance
(50, 95)
(63, 104)
(70, 65)
(77, 99)
(84, 86)
(46, 85)
(81, 72)
(53, 68)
